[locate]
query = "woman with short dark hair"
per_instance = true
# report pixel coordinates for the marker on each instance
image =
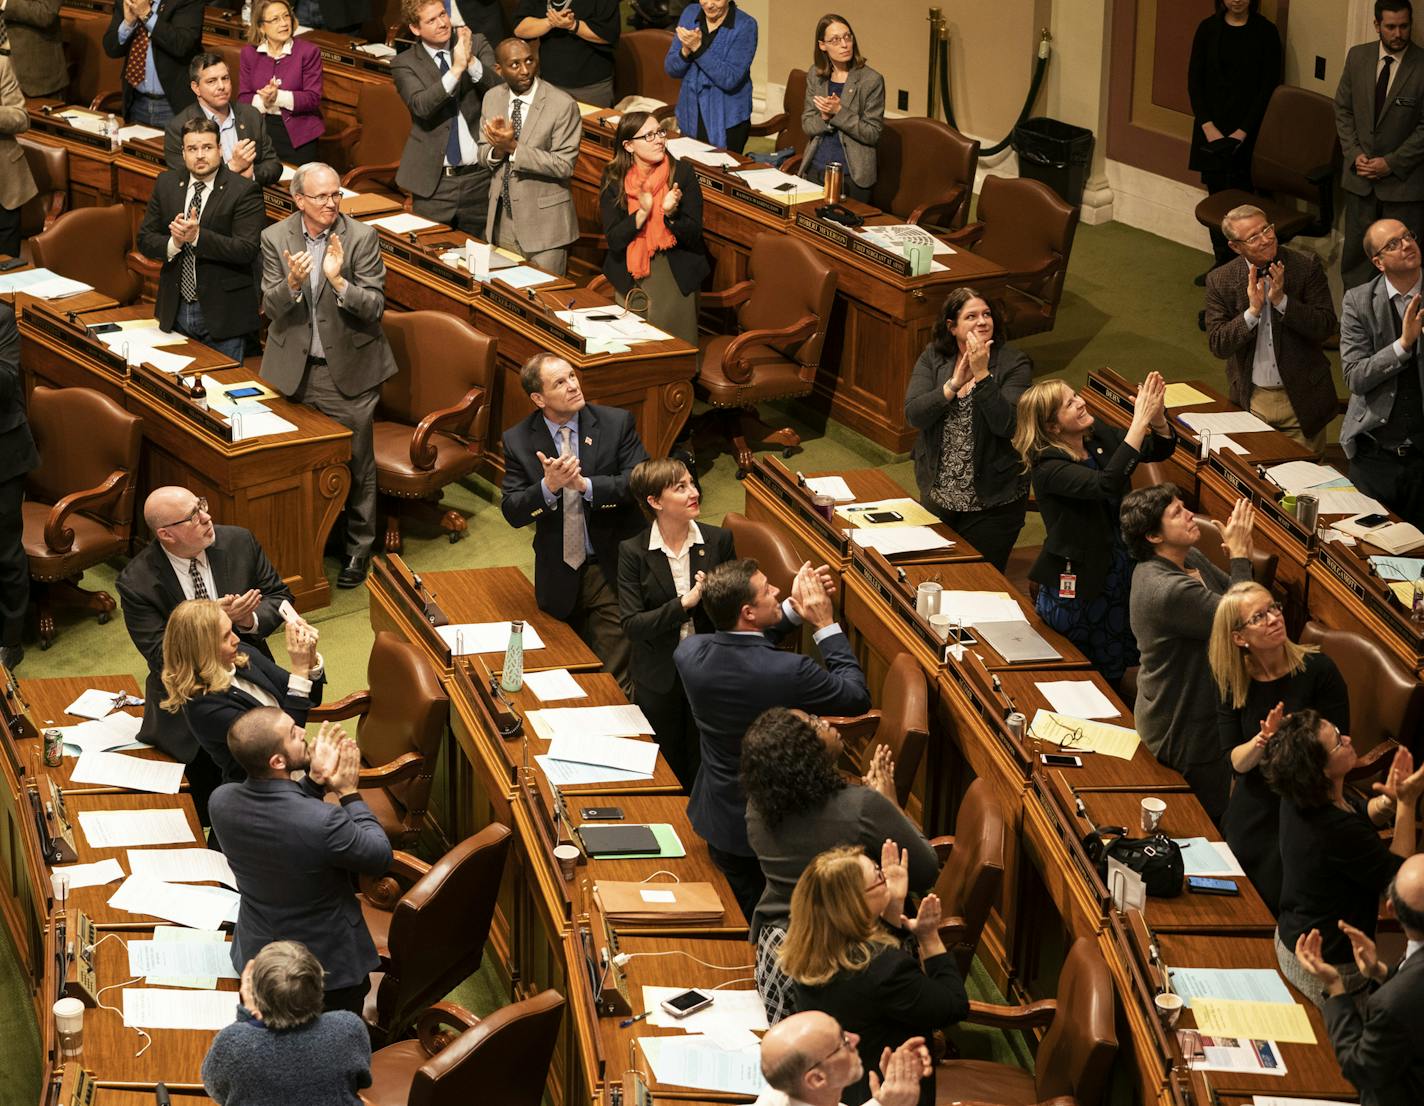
(711, 53)
(844, 111)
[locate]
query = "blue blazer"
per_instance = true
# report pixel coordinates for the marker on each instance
(730, 678)
(295, 858)
(717, 80)
(210, 716)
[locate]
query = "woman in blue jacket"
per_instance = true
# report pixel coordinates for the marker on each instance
(712, 56)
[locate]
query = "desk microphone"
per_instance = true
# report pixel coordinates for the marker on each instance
(160, 1095)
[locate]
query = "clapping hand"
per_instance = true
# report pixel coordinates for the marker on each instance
(348, 768)
(1149, 405)
(1269, 725)
(243, 155)
(901, 1071)
(672, 199)
(691, 39)
(499, 133)
(325, 753)
(299, 266)
(694, 593)
(240, 608)
(827, 105)
(1276, 274)
(1307, 951)
(301, 648)
(976, 353)
(333, 259)
(1411, 324)
(1236, 535)
(184, 228)
(895, 867)
(1255, 290)
(809, 598)
(561, 471)
(1366, 957)
(1404, 783)
(645, 202)
(880, 776)
(268, 92)
(925, 924)
(460, 55)
(564, 19)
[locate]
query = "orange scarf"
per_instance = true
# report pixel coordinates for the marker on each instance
(655, 235)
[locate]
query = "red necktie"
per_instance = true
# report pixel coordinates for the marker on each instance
(136, 64)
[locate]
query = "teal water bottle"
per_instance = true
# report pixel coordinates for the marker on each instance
(511, 677)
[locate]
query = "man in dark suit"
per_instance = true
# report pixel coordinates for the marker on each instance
(1379, 1041)
(443, 79)
(1268, 314)
(324, 292)
(17, 457)
(566, 470)
(242, 129)
(1379, 113)
(191, 558)
(296, 856)
(156, 39)
(204, 223)
(731, 676)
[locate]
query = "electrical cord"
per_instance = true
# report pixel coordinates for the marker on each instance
(148, 1038)
(1035, 84)
(623, 957)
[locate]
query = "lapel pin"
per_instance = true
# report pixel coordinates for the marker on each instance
(588, 441)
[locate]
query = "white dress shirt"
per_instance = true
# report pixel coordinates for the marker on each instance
(1393, 69)
(469, 148)
(680, 562)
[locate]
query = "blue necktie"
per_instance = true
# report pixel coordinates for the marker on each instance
(452, 145)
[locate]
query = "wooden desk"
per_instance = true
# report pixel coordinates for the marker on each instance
(91, 158)
(113, 1096)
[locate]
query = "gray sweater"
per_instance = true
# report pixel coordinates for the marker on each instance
(323, 1063)
(1171, 617)
(855, 815)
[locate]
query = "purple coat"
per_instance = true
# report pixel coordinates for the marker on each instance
(300, 71)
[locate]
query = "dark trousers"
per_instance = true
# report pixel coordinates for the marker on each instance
(737, 135)
(204, 777)
(282, 143)
(992, 531)
(14, 565)
(347, 998)
(1360, 212)
(10, 231)
(674, 729)
(1211, 784)
(1397, 482)
(596, 620)
(319, 390)
(189, 320)
(461, 203)
(743, 874)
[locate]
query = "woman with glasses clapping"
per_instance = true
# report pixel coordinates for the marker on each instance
(1263, 676)
(845, 109)
(280, 75)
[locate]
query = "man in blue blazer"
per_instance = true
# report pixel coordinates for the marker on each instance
(295, 856)
(731, 676)
(566, 470)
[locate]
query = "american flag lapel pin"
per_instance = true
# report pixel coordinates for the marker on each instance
(588, 441)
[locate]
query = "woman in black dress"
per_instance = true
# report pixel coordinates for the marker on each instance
(1235, 66)
(1263, 676)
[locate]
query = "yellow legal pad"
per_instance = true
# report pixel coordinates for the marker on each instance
(1184, 395)
(1261, 1021)
(913, 514)
(1084, 735)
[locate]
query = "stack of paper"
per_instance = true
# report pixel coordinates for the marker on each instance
(699, 1063)
(95, 703)
(1083, 735)
(465, 638)
(182, 958)
(1299, 476)
(609, 752)
(689, 149)
(911, 513)
(1225, 422)
(782, 186)
(1080, 698)
(57, 288)
(567, 773)
(833, 486)
(730, 1021)
(195, 907)
(1238, 984)
(377, 50)
(579, 722)
(1396, 538)
(900, 539)
(119, 829)
(135, 131)
(256, 420)
(968, 608)
(522, 276)
(1348, 501)
(1270, 1021)
(132, 773)
(103, 734)
(90, 875)
(558, 683)
(1184, 395)
(403, 223)
(182, 866)
(1398, 568)
(157, 1008)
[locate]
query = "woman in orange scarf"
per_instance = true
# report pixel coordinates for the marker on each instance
(652, 215)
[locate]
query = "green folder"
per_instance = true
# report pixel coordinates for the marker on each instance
(670, 846)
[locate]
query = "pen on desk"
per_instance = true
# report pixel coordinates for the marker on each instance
(626, 1022)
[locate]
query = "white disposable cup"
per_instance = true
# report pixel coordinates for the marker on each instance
(1169, 1008)
(69, 1024)
(567, 856)
(940, 624)
(1152, 811)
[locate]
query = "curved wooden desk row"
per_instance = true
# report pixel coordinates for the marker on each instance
(1052, 893)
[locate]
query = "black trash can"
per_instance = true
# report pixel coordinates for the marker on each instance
(1056, 153)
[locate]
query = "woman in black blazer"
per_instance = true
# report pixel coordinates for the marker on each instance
(651, 206)
(214, 678)
(660, 574)
(1081, 470)
(963, 399)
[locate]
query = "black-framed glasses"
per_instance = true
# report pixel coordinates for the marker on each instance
(659, 135)
(199, 508)
(878, 881)
(1259, 617)
(840, 1047)
(1394, 244)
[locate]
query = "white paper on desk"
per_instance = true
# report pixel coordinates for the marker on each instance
(1080, 698)
(834, 486)
(697, 1062)
(559, 683)
(900, 539)
(1221, 441)
(161, 360)
(681, 146)
(195, 907)
(717, 159)
(1201, 857)
(969, 607)
(403, 223)
(627, 720)
(522, 276)
(627, 753)
(118, 829)
(465, 638)
(91, 875)
(781, 186)
(567, 773)
(102, 734)
(1225, 422)
(135, 130)
(742, 1009)
(133, 773)
(18, 282)
(1277, 1100)
(182, 960)
(377, 50)
(82, 120)
(182, 866)
(1299, 476)
(158, 1008)
(253, 420)
(1241, 984)
(92, 704)
(57, 288)
(1348, 501)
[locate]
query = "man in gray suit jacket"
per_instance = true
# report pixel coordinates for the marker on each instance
(1383, 431)
(242, 130)
(36, 45)
(442, 79)
(1379, 112)
(296, 856)
(17, 186)
(323, 292)
(530, 140)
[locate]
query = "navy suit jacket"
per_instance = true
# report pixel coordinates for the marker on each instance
(730, 679)
(1380, 1042)
(608, 449)
(296, 858)
(210, 716)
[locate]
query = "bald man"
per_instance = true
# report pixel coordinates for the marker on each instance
(191, 557)
(808, 1060)
(1380, 1041)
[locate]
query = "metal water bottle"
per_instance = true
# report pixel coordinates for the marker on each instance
(835, 175)
(511, 676)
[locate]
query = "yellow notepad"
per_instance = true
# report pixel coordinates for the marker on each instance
(1261, 1021)
(1085, 735)
(1184, 395)
(911, 512)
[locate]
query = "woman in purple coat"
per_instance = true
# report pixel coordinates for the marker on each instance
(280, 75)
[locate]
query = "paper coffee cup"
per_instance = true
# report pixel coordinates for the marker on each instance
(1169, 1008)
(69, 1024)
(1152, 811)
(568, 857)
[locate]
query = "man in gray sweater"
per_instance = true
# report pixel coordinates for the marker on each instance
(1175, 591)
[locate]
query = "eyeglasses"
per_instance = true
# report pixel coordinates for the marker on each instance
(844, 1044)
(277, 19)
(1267, 231)
(1259, 617)
(323, 199)
(878, 881)
(1394, 244)
(1339, 741)
(199, 508)
(651, 136)
(839, 40)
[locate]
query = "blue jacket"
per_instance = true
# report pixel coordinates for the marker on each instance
(717, 80)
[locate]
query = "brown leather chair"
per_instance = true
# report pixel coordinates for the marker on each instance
(901, 723)
(49, 165)
(433, 416)
(404, 712)
(925, 172)
(1024, 226)
(1263, 564)
(503, 1058)
(1386, 700)
(93, 75)
(79, 503)
(783, 311)
(1297, 157)
(432, 936)
(773, 554)
(638, 68)
(1074, 1057)
(786, 124)
(972, 872)
(374, 146)
(91, 244)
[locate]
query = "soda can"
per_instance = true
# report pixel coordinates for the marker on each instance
(53, 748)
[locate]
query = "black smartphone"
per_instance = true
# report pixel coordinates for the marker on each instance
(12, 263)
(884, 516)
(1371, 521)
(602, 814)
(787, 187)
(104, 328)
(1061, 760)
(1206, 885)
(242, 393)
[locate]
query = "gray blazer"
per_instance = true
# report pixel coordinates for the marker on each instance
(1399, 137)
(1367, 360)
(860, 120)
(543, 165)
(36, 46)
(432, 111)
(351, 334)
(17, 186)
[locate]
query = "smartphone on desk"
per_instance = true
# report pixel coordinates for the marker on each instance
(602, 813)
(1207, 885)
(881, 517)
(242, 393)
(11, 263)
(689, 1002)
(1061, 760)
(1369, 522)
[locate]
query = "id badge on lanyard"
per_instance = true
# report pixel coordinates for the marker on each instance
(1068, 582)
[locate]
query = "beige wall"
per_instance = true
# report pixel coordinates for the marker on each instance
(1316, 28)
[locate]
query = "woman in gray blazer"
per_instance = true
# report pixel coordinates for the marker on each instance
(845, 109)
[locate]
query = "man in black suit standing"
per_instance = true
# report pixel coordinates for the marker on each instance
(17, 457)
(204, 223)
(566, 470)
(242, 129)
(192, 558)
(731, 676)
(1380, 1041)
(156, 39)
